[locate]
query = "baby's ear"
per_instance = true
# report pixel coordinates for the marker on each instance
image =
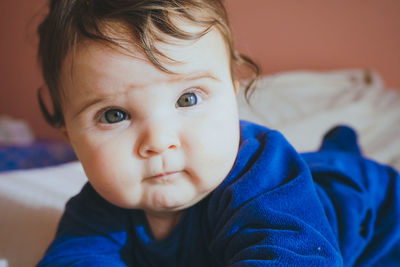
(64, 132)
(236, 86)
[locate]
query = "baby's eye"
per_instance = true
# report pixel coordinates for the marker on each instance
(113, 116)
(188, 99)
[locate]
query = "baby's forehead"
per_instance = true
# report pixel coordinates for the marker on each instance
(172, 56)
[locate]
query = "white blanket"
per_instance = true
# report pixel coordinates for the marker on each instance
(303, 105)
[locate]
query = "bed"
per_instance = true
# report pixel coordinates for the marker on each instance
(301, 104)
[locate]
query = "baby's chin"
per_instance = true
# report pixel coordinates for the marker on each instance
(173, 199)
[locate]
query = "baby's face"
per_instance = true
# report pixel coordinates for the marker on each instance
(147, 139)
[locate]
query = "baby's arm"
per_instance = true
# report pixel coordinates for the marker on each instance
(267, 212)
(91, 232)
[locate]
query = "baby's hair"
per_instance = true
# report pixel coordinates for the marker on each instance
(70, 22)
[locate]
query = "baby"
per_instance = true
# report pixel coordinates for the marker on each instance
(145, 92)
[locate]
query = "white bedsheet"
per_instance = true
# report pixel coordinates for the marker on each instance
(303, 105)
(31, 202)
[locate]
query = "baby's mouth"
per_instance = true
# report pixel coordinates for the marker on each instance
(164, 177)
(165, 174)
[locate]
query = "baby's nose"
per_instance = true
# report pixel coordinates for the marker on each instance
(157, 137)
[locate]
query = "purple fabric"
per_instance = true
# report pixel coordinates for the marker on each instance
(36, 155)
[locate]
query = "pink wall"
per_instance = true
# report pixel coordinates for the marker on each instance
(313, 34)
(280, 35)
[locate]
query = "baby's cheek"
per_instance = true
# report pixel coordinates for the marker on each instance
(98, 167)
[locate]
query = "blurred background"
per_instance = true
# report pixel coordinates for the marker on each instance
(280, 35)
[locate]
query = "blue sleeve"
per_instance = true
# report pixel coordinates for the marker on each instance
(92, 232)
(362, 202)
(267, 212)
(361, 199)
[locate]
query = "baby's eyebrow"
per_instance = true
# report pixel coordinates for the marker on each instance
(194, 76)
(89, 103)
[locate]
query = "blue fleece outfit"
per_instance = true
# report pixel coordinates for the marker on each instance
(332, 207)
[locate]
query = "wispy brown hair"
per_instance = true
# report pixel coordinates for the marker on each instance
(69, 22)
